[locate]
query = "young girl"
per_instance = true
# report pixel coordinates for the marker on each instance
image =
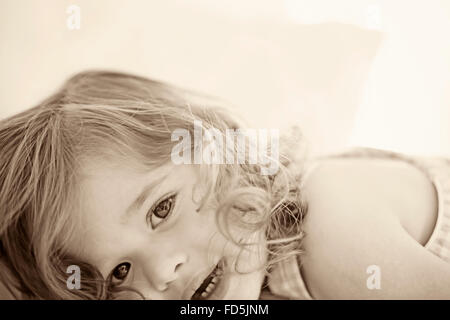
(87, 181)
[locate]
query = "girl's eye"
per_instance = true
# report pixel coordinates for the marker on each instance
(161, 211)
(121, 271)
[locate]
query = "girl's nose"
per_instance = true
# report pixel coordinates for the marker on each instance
(162, 271)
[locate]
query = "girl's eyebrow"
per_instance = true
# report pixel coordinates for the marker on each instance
(136, 205)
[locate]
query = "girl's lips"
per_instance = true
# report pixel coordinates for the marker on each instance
(195, 283)
(222, 288)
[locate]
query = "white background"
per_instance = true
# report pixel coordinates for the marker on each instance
(349, 72)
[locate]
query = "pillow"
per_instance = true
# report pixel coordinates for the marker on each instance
(310, 75)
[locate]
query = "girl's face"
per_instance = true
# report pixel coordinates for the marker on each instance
(146, 231)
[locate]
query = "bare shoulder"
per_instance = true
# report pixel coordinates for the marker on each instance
(364, 212)
(387, 186)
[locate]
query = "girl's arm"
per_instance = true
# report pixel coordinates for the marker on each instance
(349, 230)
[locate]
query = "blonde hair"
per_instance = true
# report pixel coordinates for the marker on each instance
(119, 116)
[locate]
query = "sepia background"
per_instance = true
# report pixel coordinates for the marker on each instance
(349, 72)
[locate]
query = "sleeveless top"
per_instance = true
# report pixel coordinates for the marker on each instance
(285, 280)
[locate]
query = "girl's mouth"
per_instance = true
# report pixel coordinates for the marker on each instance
(210, 284)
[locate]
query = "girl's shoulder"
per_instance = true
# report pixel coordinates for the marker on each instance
(395, 186)
(346, 195)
